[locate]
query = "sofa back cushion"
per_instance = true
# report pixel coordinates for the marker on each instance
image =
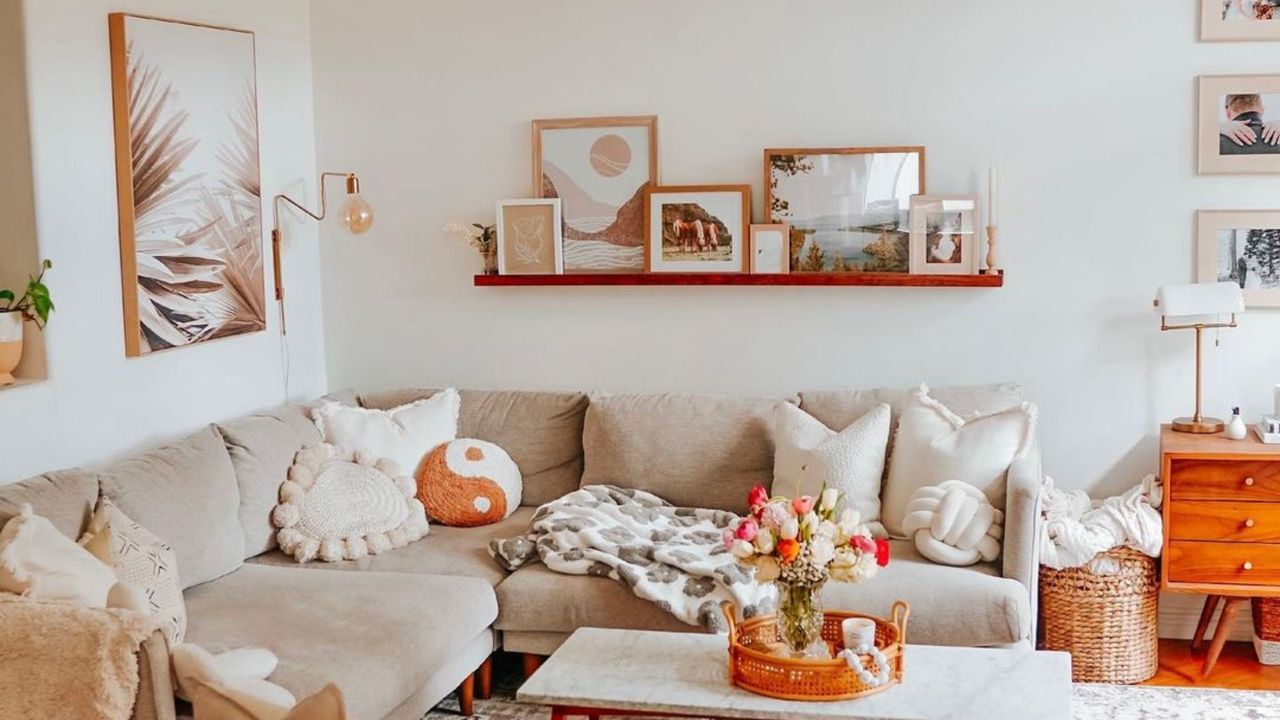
(541, 431)
(65, 498)
(691, 450)
(262, 448)
(186, 494)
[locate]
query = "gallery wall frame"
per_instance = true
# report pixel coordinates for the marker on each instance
(1219, 154)
(698, 219)
(1239, 20)
(1241, 246)
(529, 238)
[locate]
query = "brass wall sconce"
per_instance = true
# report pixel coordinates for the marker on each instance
(355, 214)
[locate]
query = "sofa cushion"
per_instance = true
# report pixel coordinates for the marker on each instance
(541, 431)
(262, 448)
(65, 498)
(444, 551)
(536, 599)
(379, 636)
(186, 494)
(690, 450)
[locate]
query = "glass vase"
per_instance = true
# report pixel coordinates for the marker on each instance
(800, 618)
(490, 256)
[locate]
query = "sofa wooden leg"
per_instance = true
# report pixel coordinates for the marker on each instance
(531, 664)
(467, 695)
(484, 679)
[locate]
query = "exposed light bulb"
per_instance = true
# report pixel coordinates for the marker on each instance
(356, 214)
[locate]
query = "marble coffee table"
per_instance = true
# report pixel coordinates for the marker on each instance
(625, 672)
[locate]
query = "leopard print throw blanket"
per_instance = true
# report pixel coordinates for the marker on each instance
(674, 557)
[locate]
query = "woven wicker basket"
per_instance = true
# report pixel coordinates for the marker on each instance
(1107, 622)
(756, 666)
(1266, 630)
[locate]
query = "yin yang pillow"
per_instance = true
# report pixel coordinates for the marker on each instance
(467, 483)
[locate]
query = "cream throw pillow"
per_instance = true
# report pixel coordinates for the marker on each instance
(403, 435)
(214, 702)
(934, 445)
(39, 562)
(808, 454)
(142, 560)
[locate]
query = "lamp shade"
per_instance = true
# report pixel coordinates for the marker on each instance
(1193, 299)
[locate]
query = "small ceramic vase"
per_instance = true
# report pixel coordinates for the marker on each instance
(1236, 429)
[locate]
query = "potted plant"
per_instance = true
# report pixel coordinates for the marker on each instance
(33, 305)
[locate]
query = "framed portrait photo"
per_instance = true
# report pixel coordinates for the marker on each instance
(1242, 247)
(847, 207)
(1239, 124)
(529, 238)
(697, 228)
(945, 234)
(769, 254)
(1239, 20)
(599, 168)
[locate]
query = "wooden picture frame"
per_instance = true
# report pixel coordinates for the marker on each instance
(1223, 252)
(763, 259)
(595, 166)
(707, 213)
(964, 242)
(1218, 155)
(182, 283)
(1225, 21)
(805, 212)
(529, 238)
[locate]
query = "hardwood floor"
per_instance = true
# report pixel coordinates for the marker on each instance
(1238, 668)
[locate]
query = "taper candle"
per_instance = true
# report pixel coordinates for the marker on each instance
(993, 190)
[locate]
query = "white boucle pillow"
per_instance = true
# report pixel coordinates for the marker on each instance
(934, 445)
(404, 434)
(38, 561)
(808, 454)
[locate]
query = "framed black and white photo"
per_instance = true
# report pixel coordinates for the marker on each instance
(1240, 20)
(1242, 247)
(945, 234)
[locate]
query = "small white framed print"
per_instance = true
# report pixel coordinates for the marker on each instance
(770, 252)
(944, 234)
(529, 237)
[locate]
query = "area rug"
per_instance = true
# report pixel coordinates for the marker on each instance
(1089, 702)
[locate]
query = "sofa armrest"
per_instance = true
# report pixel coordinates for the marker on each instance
(1022, 526)
(155, 684)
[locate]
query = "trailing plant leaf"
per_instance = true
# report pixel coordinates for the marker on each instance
(35, 304)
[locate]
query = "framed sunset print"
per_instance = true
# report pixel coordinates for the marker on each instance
(697, 228)
(1240, 20)
(847, 207)
(599, 169)
(1241, 247)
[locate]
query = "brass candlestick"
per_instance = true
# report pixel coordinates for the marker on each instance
(991, 268)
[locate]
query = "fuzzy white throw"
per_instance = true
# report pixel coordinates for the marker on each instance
(1073, 534)
(674, 557)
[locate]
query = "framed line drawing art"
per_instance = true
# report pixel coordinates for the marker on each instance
(847, 207)
(599, 168)
(1239, 20)
(945, 234)
(529, 237)
(1239, 128)
(187, 176)
(1242, 247)
(769, 254)
(697, 228)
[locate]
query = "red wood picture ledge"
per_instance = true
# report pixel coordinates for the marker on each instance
(794, 279)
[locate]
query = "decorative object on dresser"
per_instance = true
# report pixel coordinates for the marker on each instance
(34, 305)
(468, 483)
(769, 249)
(599, 168)
(1222, 512)
(1236, 429)
(529, 237)
(847, 207)
(1196, 301)
(1241, 247)
(944, 234)
(1239, 20)
(188, 184)
(1239, 124)
(697, 228)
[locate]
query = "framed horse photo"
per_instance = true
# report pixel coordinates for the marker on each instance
(697, 228)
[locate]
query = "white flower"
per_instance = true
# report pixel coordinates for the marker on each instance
(828, 500)
(866, 567)
(789, 529)
(810, 522)
(821, 550)
(764, 542)
(848, 522)
(767, 569)
(742, 549)
(774, 515)
(842, 565)
(826, 529)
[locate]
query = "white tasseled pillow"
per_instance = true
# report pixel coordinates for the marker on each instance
(403, 435)
(38, 561)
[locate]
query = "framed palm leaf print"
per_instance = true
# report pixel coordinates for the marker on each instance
(187, 176)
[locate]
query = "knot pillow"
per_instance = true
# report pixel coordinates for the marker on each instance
(467, 483)
(954, 524)
(343, 505)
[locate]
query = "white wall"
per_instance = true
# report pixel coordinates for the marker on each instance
(98, 404)
(1088, 107)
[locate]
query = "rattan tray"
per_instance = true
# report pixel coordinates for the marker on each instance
(755, 665)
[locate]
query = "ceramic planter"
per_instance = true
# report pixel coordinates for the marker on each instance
(10, 345)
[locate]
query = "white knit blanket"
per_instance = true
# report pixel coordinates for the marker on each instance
(1073, 533)
(674, 557)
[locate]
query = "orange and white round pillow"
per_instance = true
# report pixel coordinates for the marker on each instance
(466, 483)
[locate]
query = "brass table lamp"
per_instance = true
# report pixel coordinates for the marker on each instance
(1199, 307)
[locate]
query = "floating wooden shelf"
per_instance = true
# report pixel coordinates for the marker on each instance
(794, 279)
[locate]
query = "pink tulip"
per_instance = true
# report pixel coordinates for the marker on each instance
(863, 543)
(728, 537)
(802, 505)
(757, 498)
(747, 530)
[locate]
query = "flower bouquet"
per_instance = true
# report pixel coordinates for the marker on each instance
(798, 544)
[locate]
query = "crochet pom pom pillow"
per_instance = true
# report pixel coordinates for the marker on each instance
(466, 483)
(343, 505)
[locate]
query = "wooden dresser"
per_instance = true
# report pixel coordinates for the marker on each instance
(1222, 525)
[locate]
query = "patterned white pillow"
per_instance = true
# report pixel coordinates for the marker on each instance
(140, 559)
(403, 435)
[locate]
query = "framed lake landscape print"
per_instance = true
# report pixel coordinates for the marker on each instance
(697, 228)
(847, 207)
(187, 178)
(1242, 247)
(529, 237)
(599, 168)
(1240, 20)
(1239, 124)
(944, 234)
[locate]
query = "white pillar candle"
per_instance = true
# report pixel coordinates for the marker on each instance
(858, 632)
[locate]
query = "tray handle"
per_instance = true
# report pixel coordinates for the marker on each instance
(900, 608)
(731, 614)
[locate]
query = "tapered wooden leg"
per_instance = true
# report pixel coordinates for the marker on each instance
(1221, 632)
(531, 664)
(1206, 615)
(484, 679)
(558, 714)
(467, 695)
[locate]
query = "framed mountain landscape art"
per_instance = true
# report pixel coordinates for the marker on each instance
(599, 168)
(848, 208)
(187, 177)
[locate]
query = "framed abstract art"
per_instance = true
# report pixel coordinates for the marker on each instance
(529, 237)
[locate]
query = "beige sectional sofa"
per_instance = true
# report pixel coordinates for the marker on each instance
(401, 630)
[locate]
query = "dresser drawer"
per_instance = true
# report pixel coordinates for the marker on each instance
(1232, 521)
(1224, 562)
(1240, 480)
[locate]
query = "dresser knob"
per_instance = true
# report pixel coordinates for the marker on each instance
(1248, 482)
(1248, 522)
(1248, 566)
